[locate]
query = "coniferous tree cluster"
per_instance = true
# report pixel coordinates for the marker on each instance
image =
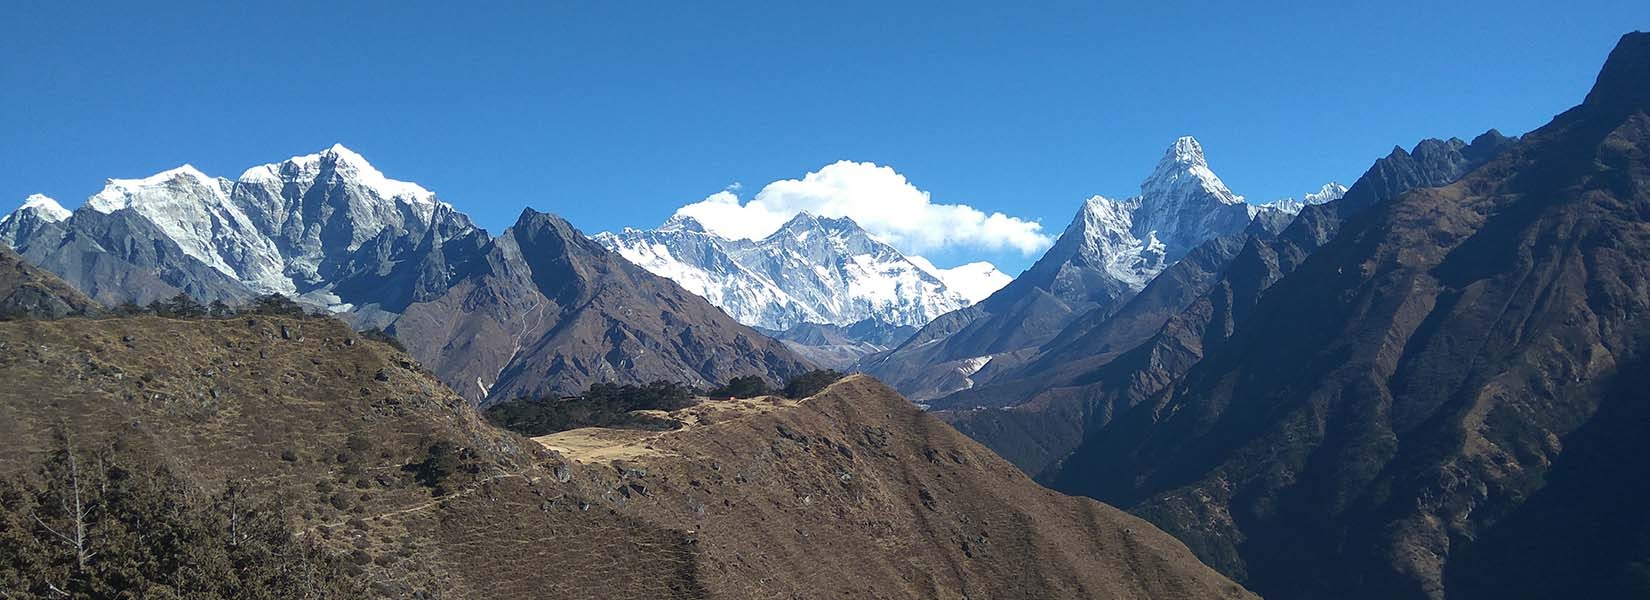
(810, 383)
(604, 405)
(748, 386)
(114, 524)
(184, 306)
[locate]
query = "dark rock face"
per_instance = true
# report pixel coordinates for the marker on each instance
(1442, 401)
(545, 310)
(27, 292)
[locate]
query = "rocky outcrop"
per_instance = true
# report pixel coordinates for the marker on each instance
(27, 292)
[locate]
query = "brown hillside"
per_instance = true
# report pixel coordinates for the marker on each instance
(853, 493)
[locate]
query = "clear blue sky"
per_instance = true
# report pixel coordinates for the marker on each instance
(615, 113)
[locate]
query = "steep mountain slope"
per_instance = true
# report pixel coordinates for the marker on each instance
(547, 310)
(1111, 249)
(851, 493)
(812, 270)
(27, 292)
(1099, 367)
(1433, 404)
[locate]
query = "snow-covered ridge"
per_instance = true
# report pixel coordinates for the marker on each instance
(975, 281)
(1330, 192)
(348, 163)
(811, 270)
(118, 194)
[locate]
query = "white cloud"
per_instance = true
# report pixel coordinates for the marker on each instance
(880, 200)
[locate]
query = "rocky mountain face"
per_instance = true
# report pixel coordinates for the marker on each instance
(26, 292)
(850, 493)
(1096, 368)
(332, 231)
(1108, 253)
(812, 270)
(545, 310)
(1441, 401)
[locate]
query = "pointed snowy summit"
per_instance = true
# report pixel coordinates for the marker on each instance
(1184, 170)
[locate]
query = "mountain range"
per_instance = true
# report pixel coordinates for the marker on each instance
(819, 270)
(540, 309)
(811, 276)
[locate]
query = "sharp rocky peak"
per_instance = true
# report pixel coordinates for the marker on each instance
(1623, 85)
(1185, 151)
(1184, 171)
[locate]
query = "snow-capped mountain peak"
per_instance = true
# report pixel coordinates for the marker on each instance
(37, 210)
(45, 208)
(1183, 171)
(1181, 204)
(800, 225)
(683, 223)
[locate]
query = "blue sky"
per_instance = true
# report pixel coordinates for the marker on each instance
(617, 113)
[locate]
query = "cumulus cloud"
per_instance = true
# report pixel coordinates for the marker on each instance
(879, 199)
